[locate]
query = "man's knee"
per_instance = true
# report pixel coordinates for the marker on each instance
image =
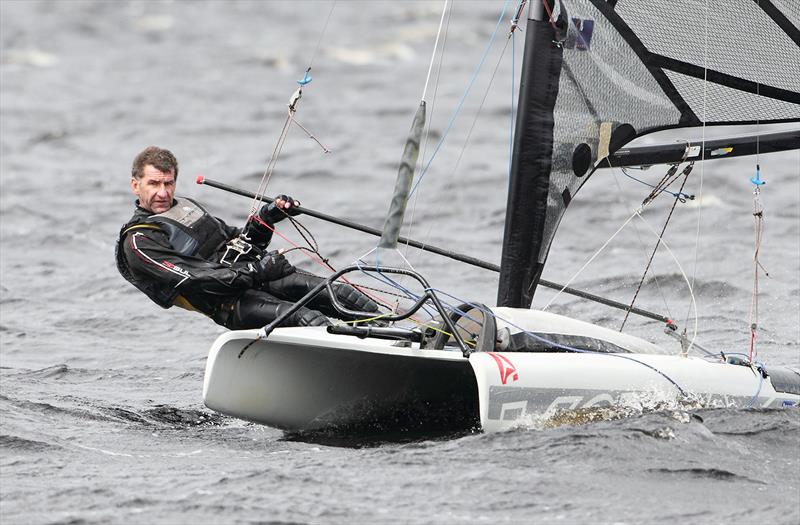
(308, 317)
(354, 299)
(256, 309)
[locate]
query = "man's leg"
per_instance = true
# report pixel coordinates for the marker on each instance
(297, 284)
(256, 308)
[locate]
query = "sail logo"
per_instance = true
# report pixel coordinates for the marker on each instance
(506, 368)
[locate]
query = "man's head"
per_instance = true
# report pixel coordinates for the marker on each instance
(153, 177)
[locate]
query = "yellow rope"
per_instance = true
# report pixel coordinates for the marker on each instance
(471, 343)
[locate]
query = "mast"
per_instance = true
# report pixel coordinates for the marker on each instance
(531, 164)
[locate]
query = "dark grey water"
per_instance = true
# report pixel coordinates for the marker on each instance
(100, 392)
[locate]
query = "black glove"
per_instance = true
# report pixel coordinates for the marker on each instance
(272, 267)
(271, 213)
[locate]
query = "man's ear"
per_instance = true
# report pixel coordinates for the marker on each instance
(135, 186)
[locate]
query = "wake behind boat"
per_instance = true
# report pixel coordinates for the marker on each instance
(596, 75)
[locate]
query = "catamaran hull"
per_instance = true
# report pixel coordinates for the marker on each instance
(304, 379)
(528, 388)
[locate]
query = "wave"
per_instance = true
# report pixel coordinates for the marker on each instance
(10, 442)
(668, 282)
(57, 412)
(183, 417)
(164, 416)
(158, 416)
(707, 473)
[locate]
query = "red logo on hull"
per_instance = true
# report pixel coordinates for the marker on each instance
(506, 368)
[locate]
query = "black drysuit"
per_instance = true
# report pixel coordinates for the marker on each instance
(174, 258)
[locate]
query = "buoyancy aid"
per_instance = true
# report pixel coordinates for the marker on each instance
(192, 232)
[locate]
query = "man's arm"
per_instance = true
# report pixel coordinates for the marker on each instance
(261, 226)
(151, 257)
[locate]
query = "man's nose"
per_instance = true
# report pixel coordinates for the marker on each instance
(162, 190)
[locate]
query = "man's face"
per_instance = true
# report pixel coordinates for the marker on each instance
(155, 189)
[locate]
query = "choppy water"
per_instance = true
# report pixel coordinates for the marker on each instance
(101, 418)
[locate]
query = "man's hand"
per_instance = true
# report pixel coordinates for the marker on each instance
(273, 266)
(279, 209)
(287, 204)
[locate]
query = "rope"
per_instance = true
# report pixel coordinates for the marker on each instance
(319, 40)
(292, 109)
(487, 311)
(669, 177)
(480, 106)
(323, 262)
(682, 196)
(428, 125)
(693, 302)
(463, 99)
(267, 175)
(686, 172)
(639, 239)
(703, 149)
(758, 215)
(592, 258)
(435, 46)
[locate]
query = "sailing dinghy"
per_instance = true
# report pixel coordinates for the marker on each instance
(596, 75)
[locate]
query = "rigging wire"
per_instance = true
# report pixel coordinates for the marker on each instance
(693, 302)
(514, 25)
(637, 213)
(640, 240)
(292, 109)
(463, 98)
(758, 215)
(685, 173)
(554, 344)
(682, 196)
(435, 47)
(589, 261)
(321, 34)
(702, 158)
(428, 125)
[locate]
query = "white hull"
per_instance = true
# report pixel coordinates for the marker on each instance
(306, 379)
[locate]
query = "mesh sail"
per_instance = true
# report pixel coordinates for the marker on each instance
(600, 73)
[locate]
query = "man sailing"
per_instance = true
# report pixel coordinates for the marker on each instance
(178, 254)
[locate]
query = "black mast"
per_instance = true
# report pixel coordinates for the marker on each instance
(531, 164)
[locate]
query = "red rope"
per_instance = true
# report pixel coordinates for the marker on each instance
(549, 14)
(320, 261)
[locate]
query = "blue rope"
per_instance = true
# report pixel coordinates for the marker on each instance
(682, 196)
(570, 348)
(385, 279)
(461, 102)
